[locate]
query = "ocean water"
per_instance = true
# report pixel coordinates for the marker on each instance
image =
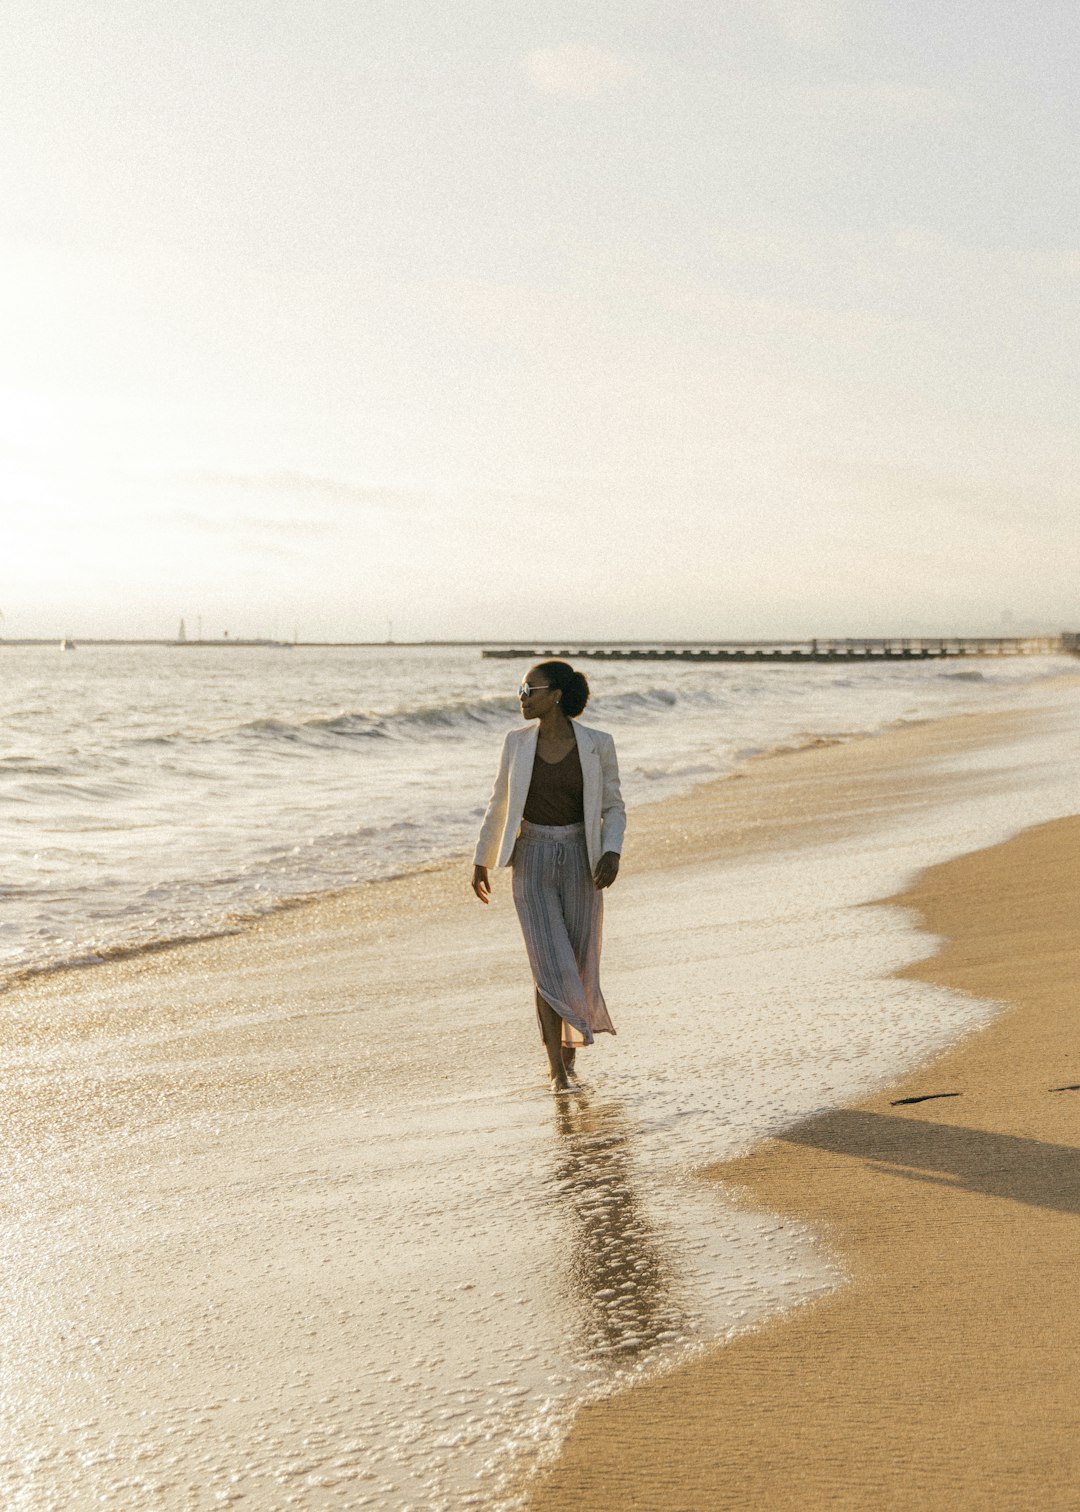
(385, 1287)
(156, 793)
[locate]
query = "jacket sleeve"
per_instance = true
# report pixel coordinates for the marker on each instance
(487, 847)
(612, 808)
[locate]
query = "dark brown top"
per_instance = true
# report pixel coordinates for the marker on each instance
(556, 793)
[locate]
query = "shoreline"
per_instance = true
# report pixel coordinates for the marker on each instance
(204, 1143)
(711, 791)
(941, 1371)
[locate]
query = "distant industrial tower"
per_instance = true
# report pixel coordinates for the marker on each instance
(181, 634)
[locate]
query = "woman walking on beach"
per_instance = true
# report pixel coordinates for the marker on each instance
(557, 817)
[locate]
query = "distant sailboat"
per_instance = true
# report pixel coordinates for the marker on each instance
(181, 634)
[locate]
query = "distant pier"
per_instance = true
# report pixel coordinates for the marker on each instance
(874, 650)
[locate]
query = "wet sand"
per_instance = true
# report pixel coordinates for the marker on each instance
(944, 1373)
(198, 1203)
(422, 936)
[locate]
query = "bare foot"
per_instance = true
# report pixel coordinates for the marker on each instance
(560, 1084)
(568, 1059)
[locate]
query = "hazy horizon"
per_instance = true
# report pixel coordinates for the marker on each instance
(745, 320)
(531, 642)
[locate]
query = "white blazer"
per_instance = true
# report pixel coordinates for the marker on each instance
(605, 813)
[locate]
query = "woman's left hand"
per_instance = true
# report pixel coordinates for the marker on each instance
(606, 869)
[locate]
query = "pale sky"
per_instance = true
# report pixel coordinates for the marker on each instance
(689, 318)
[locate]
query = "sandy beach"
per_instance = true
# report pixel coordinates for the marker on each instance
(224, 1273)
(943, 1373)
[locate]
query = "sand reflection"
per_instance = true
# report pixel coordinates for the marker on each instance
(617, 1276)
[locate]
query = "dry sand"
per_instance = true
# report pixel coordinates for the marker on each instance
(945, 1373)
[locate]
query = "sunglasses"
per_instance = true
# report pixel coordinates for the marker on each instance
(527, 689)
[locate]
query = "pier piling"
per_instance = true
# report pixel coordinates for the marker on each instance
(793, 653)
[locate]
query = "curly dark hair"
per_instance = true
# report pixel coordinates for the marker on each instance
(572, 685)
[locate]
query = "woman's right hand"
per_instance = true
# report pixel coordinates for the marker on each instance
(480, 884)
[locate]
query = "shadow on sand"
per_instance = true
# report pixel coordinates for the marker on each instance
(974, 1160)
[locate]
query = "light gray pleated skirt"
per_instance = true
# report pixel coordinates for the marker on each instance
(561, 912)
